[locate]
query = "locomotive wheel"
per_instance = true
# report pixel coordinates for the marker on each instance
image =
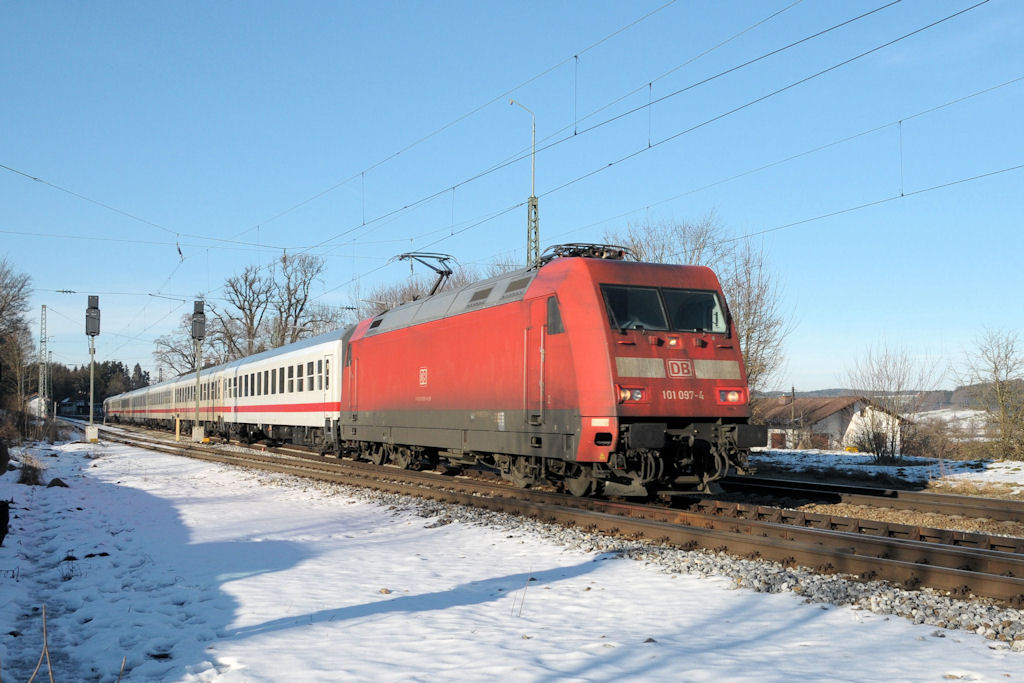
(401, 457)
(583, 484)
(378, 454)
(520, 473)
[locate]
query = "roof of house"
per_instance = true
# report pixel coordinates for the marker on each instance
(784, 410)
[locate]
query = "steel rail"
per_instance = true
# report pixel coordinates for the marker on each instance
(782, 515)
(941, 503)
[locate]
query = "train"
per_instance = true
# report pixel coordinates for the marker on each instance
(592, 372)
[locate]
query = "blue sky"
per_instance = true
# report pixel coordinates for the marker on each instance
(237, 129)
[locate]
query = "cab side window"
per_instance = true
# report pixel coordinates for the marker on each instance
(555, 325)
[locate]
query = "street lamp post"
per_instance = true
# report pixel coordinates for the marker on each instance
(532, 214)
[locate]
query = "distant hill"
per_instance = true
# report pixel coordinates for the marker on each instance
(820, 393)
(930, 400)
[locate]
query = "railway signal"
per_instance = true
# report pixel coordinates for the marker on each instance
(92, 330)
(198, 334)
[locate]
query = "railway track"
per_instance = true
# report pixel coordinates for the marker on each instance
(942, 562)
(919, 501)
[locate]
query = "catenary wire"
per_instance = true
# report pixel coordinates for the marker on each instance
(598, 125)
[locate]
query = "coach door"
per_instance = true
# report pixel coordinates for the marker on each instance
(327, 385)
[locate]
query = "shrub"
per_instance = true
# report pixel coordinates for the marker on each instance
(31, 472)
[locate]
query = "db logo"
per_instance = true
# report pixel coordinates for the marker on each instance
(423, 377)
(679, 368)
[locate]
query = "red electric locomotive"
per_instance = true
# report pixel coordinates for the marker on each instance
(596, 373)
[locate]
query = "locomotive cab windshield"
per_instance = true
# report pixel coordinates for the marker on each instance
(644, 308)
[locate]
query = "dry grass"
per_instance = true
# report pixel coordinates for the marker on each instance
(973, 488)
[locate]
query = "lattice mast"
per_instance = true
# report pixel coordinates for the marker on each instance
(44, 369)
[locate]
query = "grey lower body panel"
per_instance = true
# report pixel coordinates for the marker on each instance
(509, 432)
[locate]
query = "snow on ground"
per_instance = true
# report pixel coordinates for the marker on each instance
(911, 469)
(968, 421)
(198, 572)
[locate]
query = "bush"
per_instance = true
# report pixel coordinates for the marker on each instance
(936, 439)
(31, 472)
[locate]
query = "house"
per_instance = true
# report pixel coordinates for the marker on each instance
(824, 423)
(77, 407)
(36, 406)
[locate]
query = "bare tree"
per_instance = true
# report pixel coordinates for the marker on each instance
(384, 297)
(294, 277)
(240, 325)
(698, 243)
(502, 264)
(15, 338)
(177, 353)
(324, 318)
(994, 374)
(15, 290)
(16, 357)
(753, 293)
(893, 382)
(755, 301)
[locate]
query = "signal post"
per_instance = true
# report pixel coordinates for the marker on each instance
(92, 330)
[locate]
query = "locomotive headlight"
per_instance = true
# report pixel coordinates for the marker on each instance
(631, 394)
(726, 396)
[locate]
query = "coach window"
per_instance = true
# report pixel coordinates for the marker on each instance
(327, 374)
(259, 384)
(291, 382)
(319, 375)
(273, 381)
(298, 377)
(555, 325)
(245, 385)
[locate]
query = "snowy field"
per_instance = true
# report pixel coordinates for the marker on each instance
(913, 470)
(198, 572)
